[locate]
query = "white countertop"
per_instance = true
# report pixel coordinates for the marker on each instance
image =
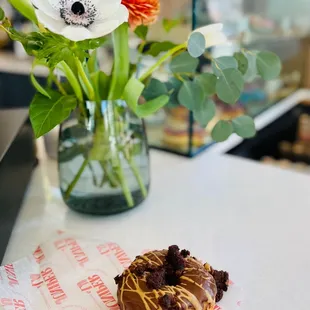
(249, 219)
(244, 217)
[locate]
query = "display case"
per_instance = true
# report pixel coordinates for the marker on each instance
(257, 25)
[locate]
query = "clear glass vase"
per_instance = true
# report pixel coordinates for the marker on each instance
(103, 159)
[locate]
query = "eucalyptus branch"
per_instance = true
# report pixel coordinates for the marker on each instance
(161, 60)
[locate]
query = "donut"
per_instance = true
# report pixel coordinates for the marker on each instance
(170, 279)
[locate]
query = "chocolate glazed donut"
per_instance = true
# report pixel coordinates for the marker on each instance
(168, 279)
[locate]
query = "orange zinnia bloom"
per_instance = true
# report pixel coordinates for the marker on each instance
(142, 12)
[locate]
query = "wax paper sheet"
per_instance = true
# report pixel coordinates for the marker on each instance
(74, 273)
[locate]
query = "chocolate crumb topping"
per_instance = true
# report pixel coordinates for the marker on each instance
(222, 281)
(118, 279)
(174, 258)
(172, 277)
(139, 270)
(185, 253)
(156, 279)
(219, 295)
(167, 302)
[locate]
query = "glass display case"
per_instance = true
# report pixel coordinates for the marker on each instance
(281, 26)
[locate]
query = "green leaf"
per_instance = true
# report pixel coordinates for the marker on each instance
(268, 65)
(2, 14)
(196, 44)
(221, 131)
(101, 82)
(191, 94)
(173, 100)
(169, 24)
(47, 113)
(154, 89)
(204, 112)
(132, 93)
(243, 63)
(104, 85)
(72, 79)
(132, 69)
(173, 86)
(158, 47)
(38, 87)
(152, 106)
(184, 63)
(92, 63)
(141, 31)
(56, 48)
(25, 8)
(208, 82)
(91, 44)
(222, 63)
(244, 126)
(230, 85)
(251, 73)
(34, 81)
(14, 34)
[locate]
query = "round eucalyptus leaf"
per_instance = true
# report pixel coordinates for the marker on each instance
(244, 126)
(268, 65)
(243, 63)
(154, 89)
(251, 72)
(208, 82)
(184, 63)
(230, 85)
(222, 63)
(190, 95)
(196, 44)
(221, 131)
(204, 112)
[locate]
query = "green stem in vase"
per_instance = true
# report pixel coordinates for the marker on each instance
(137, 174)
(76, 178)
(126, 190)
(119, 79)
(108, 174)
(92, 170)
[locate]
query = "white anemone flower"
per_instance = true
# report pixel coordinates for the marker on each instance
(81, 19)
(213, 34)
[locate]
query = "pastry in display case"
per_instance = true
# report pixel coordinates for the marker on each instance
(285, 143)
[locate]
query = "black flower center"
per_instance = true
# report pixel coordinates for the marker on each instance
(78, 8)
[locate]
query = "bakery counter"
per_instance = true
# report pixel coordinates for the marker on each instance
(244, 217)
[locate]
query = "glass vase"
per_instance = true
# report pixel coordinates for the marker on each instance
(103, 159)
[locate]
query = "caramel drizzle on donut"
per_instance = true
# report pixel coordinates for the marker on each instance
(131, 286)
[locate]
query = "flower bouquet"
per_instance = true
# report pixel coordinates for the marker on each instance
(103, 156)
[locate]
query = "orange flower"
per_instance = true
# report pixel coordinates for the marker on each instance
(142, 12)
